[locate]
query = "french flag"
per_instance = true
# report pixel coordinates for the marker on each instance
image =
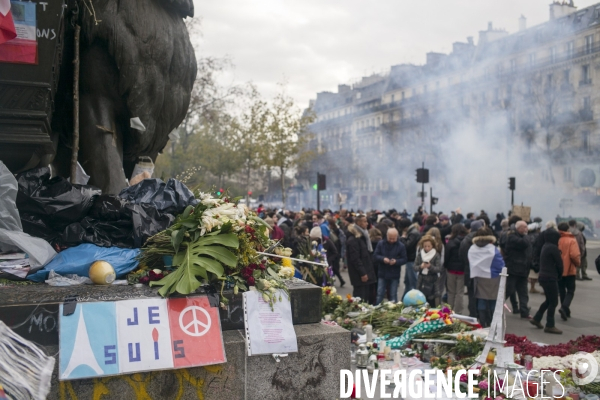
(484, 258)
(7, 25)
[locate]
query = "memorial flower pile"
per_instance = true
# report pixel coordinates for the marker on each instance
(217, 241)
(524, 346)
(330, 300)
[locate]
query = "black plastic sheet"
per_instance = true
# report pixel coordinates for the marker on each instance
(67, 215)
(54, 201)
(171, 196)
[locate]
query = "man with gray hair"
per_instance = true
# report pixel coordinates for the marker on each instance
(390, 255)
(517, 256)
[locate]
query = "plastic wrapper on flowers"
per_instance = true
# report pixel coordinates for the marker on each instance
(419, 329)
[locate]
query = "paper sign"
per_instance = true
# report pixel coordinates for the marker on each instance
(88, 341)
(195, 332)
(23, 48)
(111, 338)
(269, 331)
(144, 336)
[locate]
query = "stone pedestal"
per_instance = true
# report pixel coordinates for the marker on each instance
(312, 374)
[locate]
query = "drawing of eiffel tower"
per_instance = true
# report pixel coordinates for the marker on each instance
(495, 338)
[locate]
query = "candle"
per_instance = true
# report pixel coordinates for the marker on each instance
(397, 358)
(386, 352)
(369, 332)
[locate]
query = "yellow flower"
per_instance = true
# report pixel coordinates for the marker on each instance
(286, 262)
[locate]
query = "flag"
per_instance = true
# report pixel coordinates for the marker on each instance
(7, 25)
(22, 48)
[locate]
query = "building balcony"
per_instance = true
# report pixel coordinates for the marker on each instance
(585, 82)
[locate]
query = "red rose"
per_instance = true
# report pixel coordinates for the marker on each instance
(153, 276)
(144, 279)
(250, 281)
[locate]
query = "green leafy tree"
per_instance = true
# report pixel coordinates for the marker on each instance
(288, 138)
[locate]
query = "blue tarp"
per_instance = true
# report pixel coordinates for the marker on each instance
(77, 260)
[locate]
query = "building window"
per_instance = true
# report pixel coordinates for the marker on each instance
(585, 75)
(499, 69)
(552, 54)
(589, 44)
(586, 103)
(393, 98)
(513, 65)
(570, 49)
(496, 95)
(403, 96)
(566, 76)
(586, 141)
(532, 60)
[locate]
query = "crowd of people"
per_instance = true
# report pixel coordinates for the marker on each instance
(444, 256)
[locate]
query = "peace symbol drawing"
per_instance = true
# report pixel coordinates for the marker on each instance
(193, 327)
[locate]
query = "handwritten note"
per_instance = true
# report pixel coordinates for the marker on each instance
(269, 331)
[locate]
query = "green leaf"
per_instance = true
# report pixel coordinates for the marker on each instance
(177, 238)
(190, 224)
(210, 265)
(228, 240)
(205, 255)
(221, 254)
(272, 273)
(187, 212)
(260, 221)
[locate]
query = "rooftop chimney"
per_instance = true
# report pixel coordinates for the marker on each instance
(470, 40)
(558, 9)
(490, 27)
(522, 23)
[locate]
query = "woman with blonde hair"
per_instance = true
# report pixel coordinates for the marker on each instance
(428, 266)
(440, 248)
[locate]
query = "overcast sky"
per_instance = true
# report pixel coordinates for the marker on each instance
(316, 44)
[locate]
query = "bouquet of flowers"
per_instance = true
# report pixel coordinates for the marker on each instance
(217, 240)
(330, 300)
(316, 274)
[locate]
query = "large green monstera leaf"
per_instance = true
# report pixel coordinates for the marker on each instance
(206, 255)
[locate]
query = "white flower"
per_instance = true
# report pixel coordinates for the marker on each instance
(157, 271)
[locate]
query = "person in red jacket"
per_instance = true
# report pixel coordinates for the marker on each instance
(571, 258)
(276, 232)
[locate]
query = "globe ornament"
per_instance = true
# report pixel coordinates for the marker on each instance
(102, 273)
(414, 298)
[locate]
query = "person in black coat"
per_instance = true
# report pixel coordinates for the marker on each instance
(409, 236)
(455, 282)
(517, 256)
(360, 266)
(390, 254)
(551, 270)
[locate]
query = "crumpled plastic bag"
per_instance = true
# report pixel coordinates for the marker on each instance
(9, 215)
(39, 251)
(77, 260)
(12, 237)
(56, 202)
(55, 279)
(114, 222)
(171, 197)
